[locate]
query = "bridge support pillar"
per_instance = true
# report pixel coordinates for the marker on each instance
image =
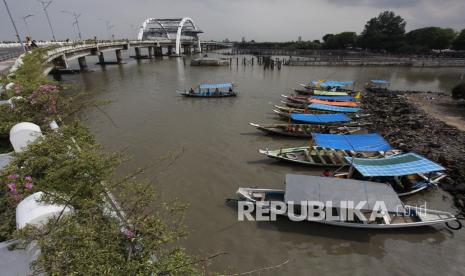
(101, 58)
(158, 51)
(150, 52)
(61, 62)
(137, 50)
(82, 63)
(119, 56)
(170, 50)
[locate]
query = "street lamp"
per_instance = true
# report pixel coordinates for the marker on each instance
(76, 21)
(14, 25)
(45, 5)
(25, 23)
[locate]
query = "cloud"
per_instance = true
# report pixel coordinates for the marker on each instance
(261, 20)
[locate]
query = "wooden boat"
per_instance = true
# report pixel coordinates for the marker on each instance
(304, 91)
(300, 110)
(378, 86)
(303, 130)
(407, 173)
(284, 114)
(220, 90)
(294, 104)
(318, 156)
(327, 191)
(308, 100)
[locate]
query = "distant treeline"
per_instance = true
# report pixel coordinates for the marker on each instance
(385, 33)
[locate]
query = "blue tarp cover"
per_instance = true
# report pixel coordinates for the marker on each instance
(379, 81)
(320, 118)
(214, 86)
(332, 83)
(335, 98)
(397, 165)
(333, 108)
(355, 142)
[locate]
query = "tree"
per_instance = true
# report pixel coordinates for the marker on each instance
(339, 41)
(385, 32)
(459, 42)
(426, 39)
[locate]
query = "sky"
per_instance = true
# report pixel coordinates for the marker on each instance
(260, 20)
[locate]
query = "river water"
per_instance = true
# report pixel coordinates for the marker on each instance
(217, 153)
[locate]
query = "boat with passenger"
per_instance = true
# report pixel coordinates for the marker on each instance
(219, 90)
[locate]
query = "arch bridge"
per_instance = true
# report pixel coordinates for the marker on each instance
(182, 31)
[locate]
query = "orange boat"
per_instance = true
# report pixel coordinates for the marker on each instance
(350, 104)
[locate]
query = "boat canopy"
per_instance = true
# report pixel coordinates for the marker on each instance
(397, 165)
(350, 104)
(331, 83)
(333, 108)
(329, 93)
(334, 98)
(214, 86)
(379, 81)
(320, 118)
(335, 190)
(355, 142)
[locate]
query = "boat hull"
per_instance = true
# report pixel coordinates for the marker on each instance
(425, 218)
(317, 156)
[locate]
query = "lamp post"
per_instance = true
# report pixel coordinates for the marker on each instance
(76, 21)
(14, 25)
(45, 5)
(25, 23)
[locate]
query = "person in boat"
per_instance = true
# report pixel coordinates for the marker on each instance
(208, 92)
(230, 90)
(326, 173)
(191, 91)
(217, 92)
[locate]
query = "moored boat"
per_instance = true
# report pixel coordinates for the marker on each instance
(316, 117)
(407, 173)
(317, 156)
(220, 90)
(303, 130)
(379, 86)
(333, 149)
(309, 100)
(378, 206)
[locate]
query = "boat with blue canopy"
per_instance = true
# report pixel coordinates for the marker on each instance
(303, 130)
(285, 111)
(377, 85)
(334, 98)
(219, 90)
(332, 108)
(320, 118)
(407, 173)
(331, 150)
(354, 142)
(315, 155)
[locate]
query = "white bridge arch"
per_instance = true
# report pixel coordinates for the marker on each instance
(180, 29)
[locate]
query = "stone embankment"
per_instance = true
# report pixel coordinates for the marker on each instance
(409, 128)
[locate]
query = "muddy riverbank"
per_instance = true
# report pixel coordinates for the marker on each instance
(409, 121)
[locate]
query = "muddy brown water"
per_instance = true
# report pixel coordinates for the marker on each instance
(147, 120)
